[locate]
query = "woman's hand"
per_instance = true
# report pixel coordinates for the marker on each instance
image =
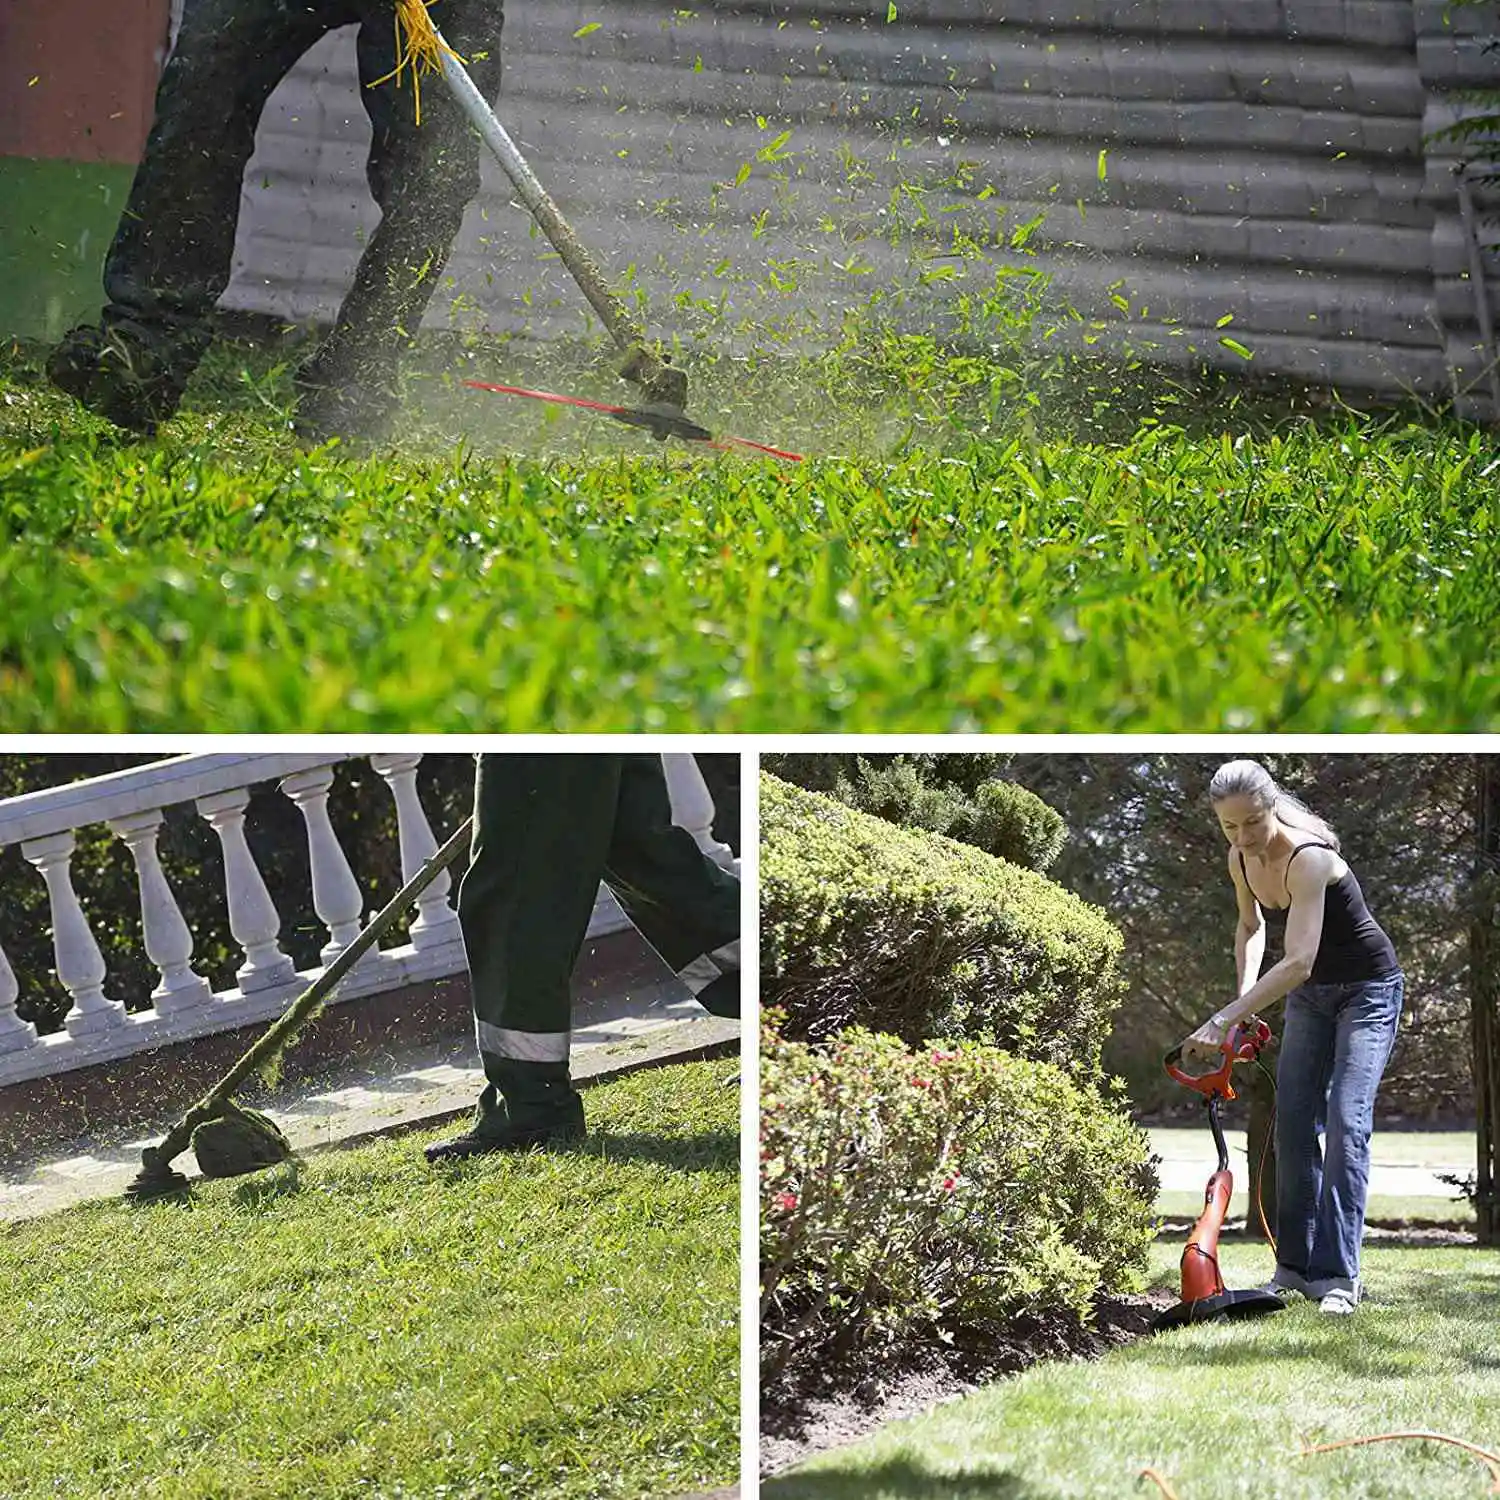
(1202, 1048)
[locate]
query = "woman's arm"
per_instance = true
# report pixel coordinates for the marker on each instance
(1307, 885)
(1249, 929)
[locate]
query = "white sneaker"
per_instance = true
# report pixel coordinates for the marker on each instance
(1340, 1301)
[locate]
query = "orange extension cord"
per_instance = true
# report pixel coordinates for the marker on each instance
(1491, 1461)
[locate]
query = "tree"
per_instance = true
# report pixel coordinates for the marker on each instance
(1484, 986)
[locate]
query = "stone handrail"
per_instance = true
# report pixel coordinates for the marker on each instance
(133, 803)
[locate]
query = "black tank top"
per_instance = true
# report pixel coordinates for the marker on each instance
(1354, 946)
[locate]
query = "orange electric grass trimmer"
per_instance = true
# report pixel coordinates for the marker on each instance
(1204, 1295)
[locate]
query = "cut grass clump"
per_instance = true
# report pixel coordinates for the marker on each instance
(1336, 575)
(1221, 1409)
(559, 1324)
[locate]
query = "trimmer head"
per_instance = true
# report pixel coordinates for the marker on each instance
(156, 1182)
(662, 421)
(1252, 1303)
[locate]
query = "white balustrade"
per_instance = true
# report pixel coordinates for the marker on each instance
(132, 805)
(253, 918)
(80, 964)
(15, 1034)
(436, 922)
(693, 806)
(169, 942)
(337, 898)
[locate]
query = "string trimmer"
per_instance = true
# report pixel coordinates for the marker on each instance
(1204, 1295)
(227, 1138)
(663, 414)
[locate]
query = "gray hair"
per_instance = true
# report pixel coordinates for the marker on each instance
(1248, 778)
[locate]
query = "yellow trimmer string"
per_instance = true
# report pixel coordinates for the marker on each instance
(418, 47)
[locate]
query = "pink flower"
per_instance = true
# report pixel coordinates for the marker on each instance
(786, 1202)
(920, 1083)
(949, 1183)
(943, 1056)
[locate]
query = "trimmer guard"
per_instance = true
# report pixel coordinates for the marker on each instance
(1252, 1303)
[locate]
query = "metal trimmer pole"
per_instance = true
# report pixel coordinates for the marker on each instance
(660, 381)
(157, 1176)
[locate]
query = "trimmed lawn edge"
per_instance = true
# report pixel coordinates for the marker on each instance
(801, 1420)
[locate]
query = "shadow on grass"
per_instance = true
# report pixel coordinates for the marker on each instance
(1362, 1348)
(898, 1476)
(253, 1190)
(706, 1151)
(265, 1188)
(1372, 1356)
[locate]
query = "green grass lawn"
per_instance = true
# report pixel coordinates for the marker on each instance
(1337, 574)
(1435, 1151)
(1384, 1208)
(1221, 1410)
(555, 1325)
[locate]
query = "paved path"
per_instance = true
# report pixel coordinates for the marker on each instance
(422, 1086)
(1188, 1159)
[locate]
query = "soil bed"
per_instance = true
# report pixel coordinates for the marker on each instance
(806, 1414)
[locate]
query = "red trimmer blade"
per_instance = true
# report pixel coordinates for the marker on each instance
(661, 421)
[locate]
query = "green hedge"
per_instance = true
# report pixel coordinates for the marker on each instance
(998, 817)
(909, 1192)
(910, 933)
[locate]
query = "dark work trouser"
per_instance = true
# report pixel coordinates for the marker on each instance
(547, 829)
(171, 256)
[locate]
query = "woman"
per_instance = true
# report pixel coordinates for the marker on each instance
(1343, 990)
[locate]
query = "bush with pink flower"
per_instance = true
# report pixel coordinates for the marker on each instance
(911, 1190)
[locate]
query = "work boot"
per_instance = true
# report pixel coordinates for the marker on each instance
(341, 395)
(117, 376)
(496, 1129)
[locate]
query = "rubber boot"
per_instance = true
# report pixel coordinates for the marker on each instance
(538, 1107)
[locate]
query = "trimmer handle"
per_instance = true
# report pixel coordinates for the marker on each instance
(1243, 1043)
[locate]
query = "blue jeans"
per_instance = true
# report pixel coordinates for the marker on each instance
(1335, 1045)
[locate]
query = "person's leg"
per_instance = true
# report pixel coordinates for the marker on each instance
(1367, 1019)
(541, 828)
(1302, 1074)
(170, 258)
(423, 177)
(686, 907)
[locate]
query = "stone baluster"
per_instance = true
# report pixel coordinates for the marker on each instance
(15, 1034)
(693, 806)
(80, 964)
(253, 918)
(436, 922)
(169, 942)
(337, 898)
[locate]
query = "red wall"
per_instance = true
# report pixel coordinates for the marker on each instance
(95, 64)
